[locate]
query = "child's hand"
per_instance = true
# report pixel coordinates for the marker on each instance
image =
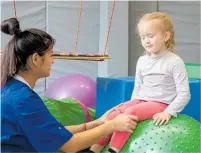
(161, 118)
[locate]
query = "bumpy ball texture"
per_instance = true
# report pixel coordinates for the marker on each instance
(180, 135)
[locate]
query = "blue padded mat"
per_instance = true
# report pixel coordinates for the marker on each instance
(113, 91)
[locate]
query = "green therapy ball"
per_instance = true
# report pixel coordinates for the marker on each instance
(181, 134)
(67, 111)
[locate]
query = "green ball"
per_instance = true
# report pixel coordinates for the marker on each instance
(181, 134)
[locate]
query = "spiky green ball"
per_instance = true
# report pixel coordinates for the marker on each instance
(180, 135)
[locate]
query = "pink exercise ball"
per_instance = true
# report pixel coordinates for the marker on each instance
(75, 86)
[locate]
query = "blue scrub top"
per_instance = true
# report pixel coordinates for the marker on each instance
(26, 123)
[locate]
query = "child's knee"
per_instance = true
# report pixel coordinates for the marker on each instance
(130, 111)
(112, 115)
(134, 112)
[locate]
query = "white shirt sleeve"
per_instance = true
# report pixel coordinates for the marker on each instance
(138, 80)
(182, 87)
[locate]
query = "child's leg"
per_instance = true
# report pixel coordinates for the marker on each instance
(128, 104)
(113, 114)
(98, 146)
(143, 111)
(102, 142)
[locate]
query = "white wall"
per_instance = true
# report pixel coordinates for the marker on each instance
(31, 14)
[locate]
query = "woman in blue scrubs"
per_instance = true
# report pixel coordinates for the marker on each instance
(26, 123)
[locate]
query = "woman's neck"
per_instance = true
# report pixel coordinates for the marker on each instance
(29, 78)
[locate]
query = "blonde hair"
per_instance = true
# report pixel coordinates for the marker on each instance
(167, 26)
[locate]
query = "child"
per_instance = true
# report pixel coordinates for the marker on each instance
(161, 84)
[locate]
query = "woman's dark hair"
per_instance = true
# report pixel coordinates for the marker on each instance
(23, 44)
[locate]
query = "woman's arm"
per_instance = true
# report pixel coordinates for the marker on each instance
(85, 126)
(82, 140)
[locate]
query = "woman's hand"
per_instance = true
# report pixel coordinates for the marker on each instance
(104, 116)
(161, 118)
(124, 122)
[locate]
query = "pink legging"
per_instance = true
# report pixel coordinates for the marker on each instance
(140, 108)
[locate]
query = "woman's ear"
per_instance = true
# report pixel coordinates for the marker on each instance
(35, 59)
(167, 36)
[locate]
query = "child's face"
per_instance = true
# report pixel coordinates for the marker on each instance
(152, 37)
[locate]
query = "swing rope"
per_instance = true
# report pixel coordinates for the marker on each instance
(81, 56)
(14, 8)
(108, 33)
(78, 27)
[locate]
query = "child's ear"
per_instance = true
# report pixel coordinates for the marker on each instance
(167, 36)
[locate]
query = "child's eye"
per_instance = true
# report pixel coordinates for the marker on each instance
(150, 36)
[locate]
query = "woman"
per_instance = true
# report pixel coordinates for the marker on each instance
(27, 125)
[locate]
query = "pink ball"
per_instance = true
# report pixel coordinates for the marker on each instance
(75, 86)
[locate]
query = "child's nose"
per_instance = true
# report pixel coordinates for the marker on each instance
(147, 41)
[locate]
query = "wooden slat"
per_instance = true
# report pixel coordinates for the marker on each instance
(87, 58)
(79, 56)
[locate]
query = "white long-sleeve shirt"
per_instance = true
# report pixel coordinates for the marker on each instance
(162, 78)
